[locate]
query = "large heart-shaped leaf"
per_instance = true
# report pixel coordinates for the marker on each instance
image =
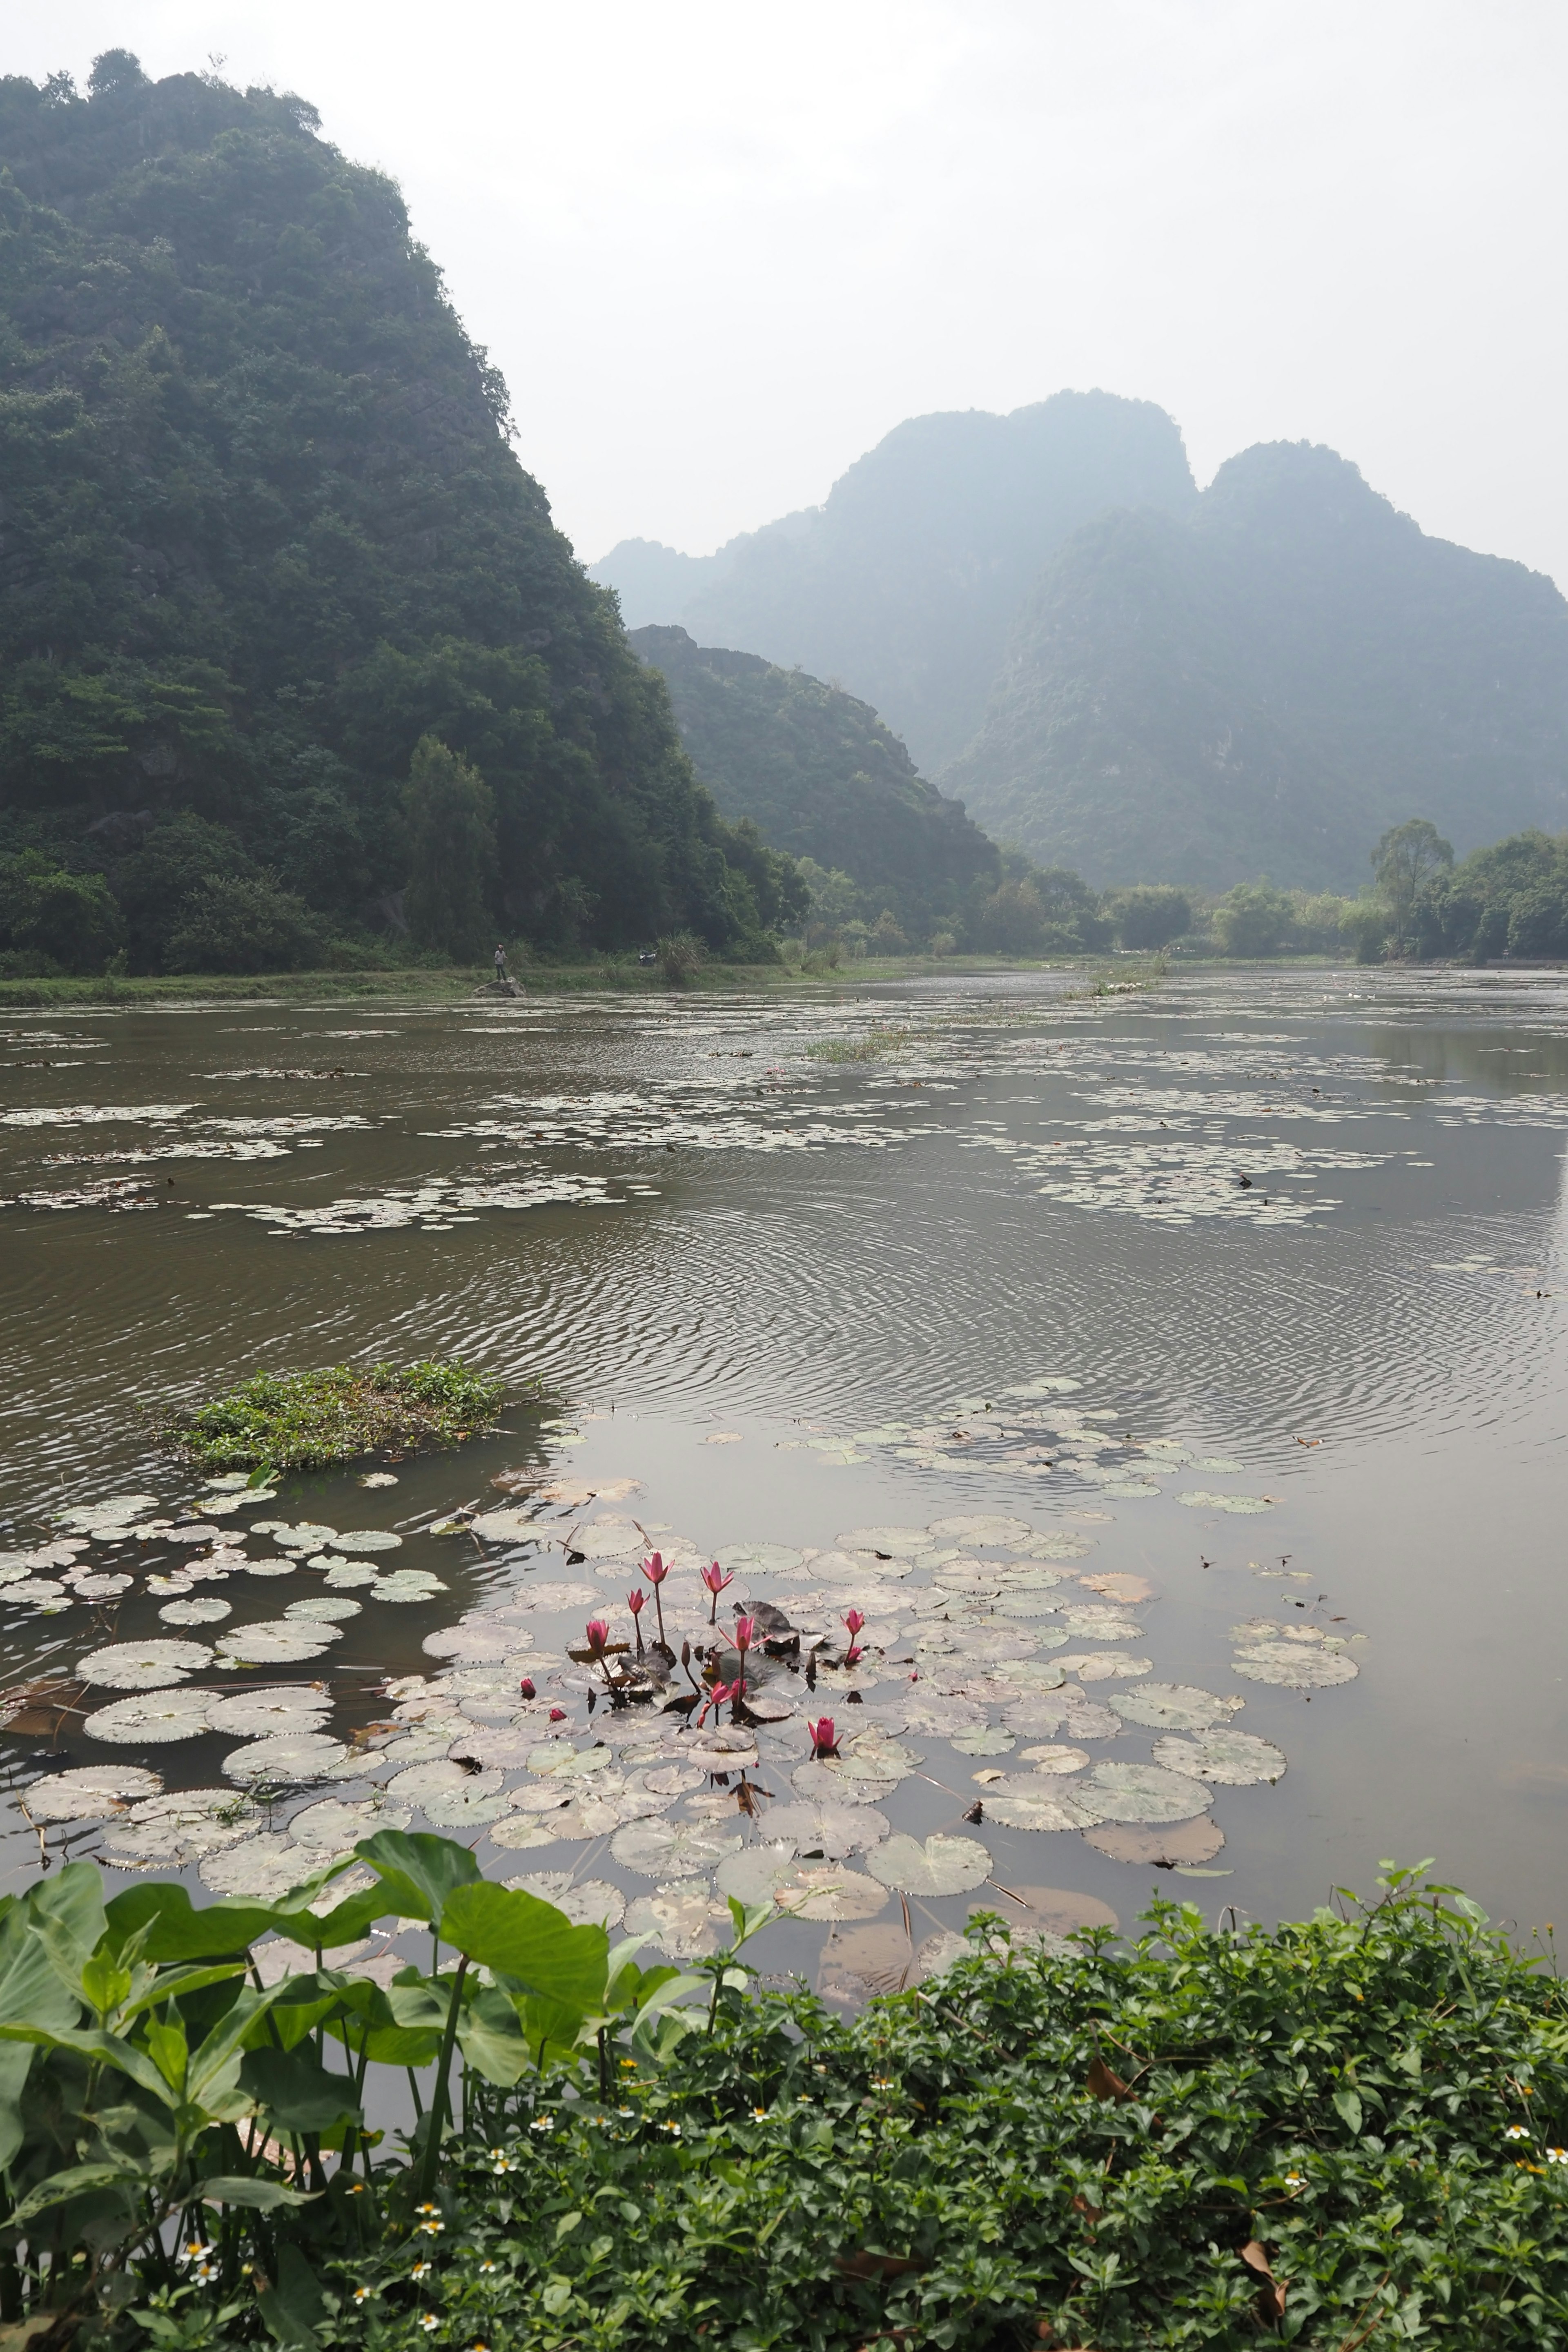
(516, 1935)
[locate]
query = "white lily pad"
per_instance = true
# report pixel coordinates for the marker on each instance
(143, 1666)
(872, 1756)
(982, 1529)
(208, 1610)
(276, 1642)
(660, 1848)
(687, 1920)
(810, 1890)
(265, 1868)
(178, 1829)
(331, 1828)
(827, 1783)
(90, 1792)
(321, 1609)
(1183, 1845)
(587, 1902)
(937, 1866)
(152, 1720)
(349, 1575)
(286, 1757)
(365, 1539)
(1171, 1707)
(828, 1831)
(550, 1593)
(114, 1513)
(100, 1588)
(1294, 1666)
(1239, 1503)
(1144, 1793)
(897, 1543)
(406, 1584)
(268, 1567)
(1022, 1801)
(1056, 1760)
(1232, 1759)
(256, 1713)
(303, 1535)
(1104, 1666)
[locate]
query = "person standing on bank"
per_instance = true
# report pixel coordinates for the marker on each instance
(500, 962)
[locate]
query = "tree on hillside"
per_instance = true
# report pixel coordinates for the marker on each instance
(451, 813)
(1408, 858)
(1252, 919)
(1150, 914)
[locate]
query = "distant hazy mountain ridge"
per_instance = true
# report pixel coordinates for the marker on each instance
(904, 584)
(1268, 683)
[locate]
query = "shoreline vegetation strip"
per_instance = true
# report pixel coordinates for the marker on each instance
(1337, 2131)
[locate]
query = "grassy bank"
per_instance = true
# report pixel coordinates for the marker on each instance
(1344, 2132)
(429, 984)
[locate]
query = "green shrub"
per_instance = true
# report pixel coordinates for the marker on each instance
(299, 1421)
(680, 957)
(68, 922)
(1150, 914)
(1252, 920)
(243, 922)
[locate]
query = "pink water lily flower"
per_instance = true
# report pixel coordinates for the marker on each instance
(598, 1634)
(526, 1687)
(852, 1619)
(822, 1740)
(637, 1601)
(656, 1571)
(715, 1699)
(715, 1579)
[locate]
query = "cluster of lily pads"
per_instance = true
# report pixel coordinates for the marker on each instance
(778, 1749)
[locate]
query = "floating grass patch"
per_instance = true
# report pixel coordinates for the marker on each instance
(860, 1049)
(302, 1421)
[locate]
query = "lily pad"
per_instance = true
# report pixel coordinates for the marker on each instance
(368, 1539)
(301, 1535)
(406, 1584)
(178, 1829)
(981, 1740)
(1292, 1665)
(1104, 1666)
(91, 1792)
(659, 1848)
(256, 1713)
(206, 1610)
(898, 1543)
(321, 1609)
(1144, 1793)
(982, 1529)
(349, 1575)
(144, 1665)
(115, 1513)
(810, 1890)
(1234, 1759)
(827, 1783)
(1056, 1760)
(872, 1756)
(937, 1865)
(266, 1868)
(1171, 1707)
(276, 1642)
(825, 1830)
(687, 1921)
(332, 1828)
(1184, 1843)
(286, 1757)
(152, 1720)
(1239, 1503)
(1020, 1801)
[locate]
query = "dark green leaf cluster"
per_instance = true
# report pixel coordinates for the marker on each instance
(301, 1421)
(1511, 899)
(264, 537)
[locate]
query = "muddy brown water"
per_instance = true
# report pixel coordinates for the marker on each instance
(833, 1237)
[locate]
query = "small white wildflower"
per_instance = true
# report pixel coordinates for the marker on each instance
(1516, 2131)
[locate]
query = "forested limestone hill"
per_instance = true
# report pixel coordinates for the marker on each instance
(821, 777)
(1267, 684)
(263, 532)
(903, 586)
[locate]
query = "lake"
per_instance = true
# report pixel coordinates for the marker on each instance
(1174, 1380)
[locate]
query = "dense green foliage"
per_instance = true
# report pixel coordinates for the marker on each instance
(1318, 2134)
(903, 586)
(1511, 899)
(1267, 683)
(820, 776)
(300, 1420)
(263, 536)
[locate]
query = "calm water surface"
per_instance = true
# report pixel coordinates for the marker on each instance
(1305, 1224)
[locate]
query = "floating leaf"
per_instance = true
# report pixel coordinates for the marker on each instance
(897, 1543)
(265, 1867)
(1051, 1913)
(688, 1921)
(144, 1665)
(938, 1953)
(827, 1784)
(1120, 1585)
(872, 1756)
(286, 1757)
(660, 1848)
(91, 1792)
(115, 1514)
(321, 1609)
(1020, 1801)
(406, 1584)
(811, 1890)
(1037, 1716)
(939, 1865)
(276, 1642)
(179, 1828)
(1185, 1842)
(831, 1831)
(331, 1828)
(207, 1611)
(368, 1539)
(153, 1719)
(1199, 1501)
(981, 1740)
(1292, 1666)
(1056, 1760)
(1171, 1707)
(984, 1530)
(346, 1575)
(254, 1714)
(1234, 1759)
(303, 1535)
(1144, 1793)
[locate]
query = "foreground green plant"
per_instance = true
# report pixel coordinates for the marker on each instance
(1335, 2134)
(298, 1421)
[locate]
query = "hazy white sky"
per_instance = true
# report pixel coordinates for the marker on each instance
(720, 247)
